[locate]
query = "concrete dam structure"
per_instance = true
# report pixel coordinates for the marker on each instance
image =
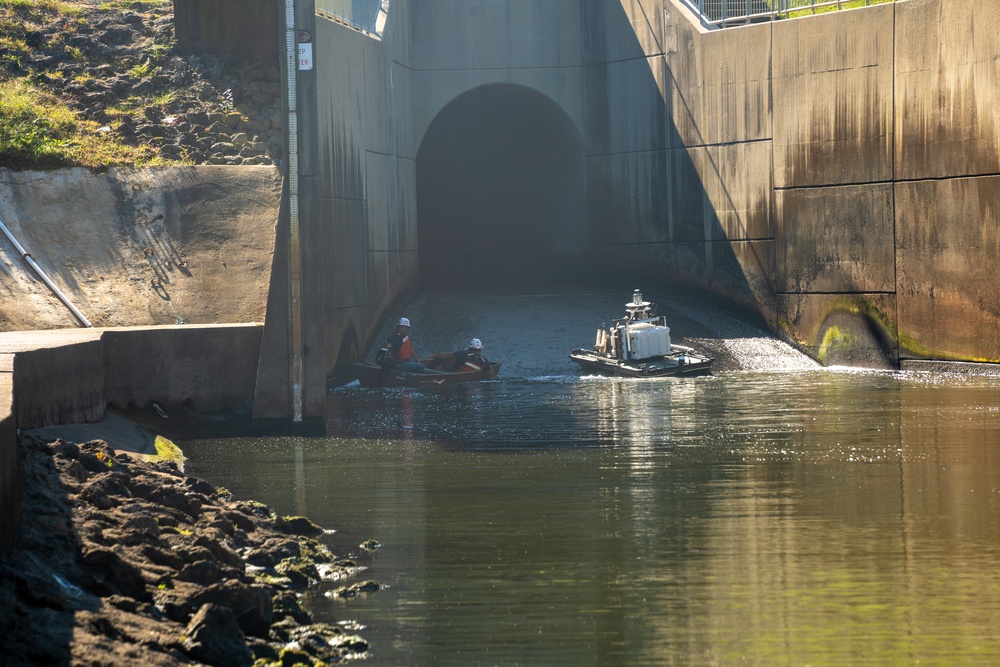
(838, 174)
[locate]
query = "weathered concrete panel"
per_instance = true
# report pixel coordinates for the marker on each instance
(155, 246)
(381, 190)
(403, 207)
(843, 329)
(947, 69)
(61, 384)
(833, 98)
(211, 368)
(381, 110)
(631, 29)
(635, 113)
(400, 100)
(244, 28)
(341, 98)
(272, 394)
(743, 272)
(625, 203)
(396, 35)
(836, 239)
(948, 255)
(210, 231)
(10, 470)
(346, 254)
(485, 34)
(690, 215)
(736, 180)
(719, 88)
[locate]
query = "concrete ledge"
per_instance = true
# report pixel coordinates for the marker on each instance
(71, 376)
(964, 367)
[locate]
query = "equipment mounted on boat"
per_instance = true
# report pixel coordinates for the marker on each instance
(639, 345)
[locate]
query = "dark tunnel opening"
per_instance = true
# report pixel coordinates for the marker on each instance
(501, 190)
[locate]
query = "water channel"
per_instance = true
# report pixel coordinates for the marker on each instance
(773, 513)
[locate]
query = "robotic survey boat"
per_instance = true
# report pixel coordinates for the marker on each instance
(638, 345)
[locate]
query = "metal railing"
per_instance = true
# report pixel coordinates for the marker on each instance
(723, 13)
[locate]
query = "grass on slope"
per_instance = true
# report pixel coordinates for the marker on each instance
(39, 129)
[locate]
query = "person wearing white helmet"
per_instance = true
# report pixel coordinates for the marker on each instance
(469, 360)
(400, 347)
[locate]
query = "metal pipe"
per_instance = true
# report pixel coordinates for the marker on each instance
(41, 274)
(294, 249)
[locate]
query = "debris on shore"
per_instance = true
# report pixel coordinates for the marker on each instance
(123, 562)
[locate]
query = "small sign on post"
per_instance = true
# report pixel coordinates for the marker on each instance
(305, 56)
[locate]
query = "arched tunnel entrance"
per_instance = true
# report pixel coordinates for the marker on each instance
(501, 191)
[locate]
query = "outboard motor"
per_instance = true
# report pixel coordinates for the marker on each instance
(382, 357)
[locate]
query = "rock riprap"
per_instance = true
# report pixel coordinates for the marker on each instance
(126, 562)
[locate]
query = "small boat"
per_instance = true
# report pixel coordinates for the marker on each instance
(376, 375)
(638, 345)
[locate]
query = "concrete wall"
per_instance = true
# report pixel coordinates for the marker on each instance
(851, 162)
(244, 28)
(832, 172)
(179, 245)
(10, 470)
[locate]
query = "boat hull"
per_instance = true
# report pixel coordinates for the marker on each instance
(371, 375)
(681, 363)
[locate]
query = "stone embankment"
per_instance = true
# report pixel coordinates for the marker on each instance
(131, 563)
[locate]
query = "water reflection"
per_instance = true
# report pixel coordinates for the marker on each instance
(762, 518)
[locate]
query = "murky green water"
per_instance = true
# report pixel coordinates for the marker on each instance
(762, 518)
(766, 517)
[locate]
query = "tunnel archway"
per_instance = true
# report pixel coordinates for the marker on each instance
(501, 191)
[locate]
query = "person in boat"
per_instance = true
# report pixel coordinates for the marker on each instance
(400, 346)
(469, 360)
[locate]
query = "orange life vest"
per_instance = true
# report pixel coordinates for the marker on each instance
(473, 363)
(404, 353)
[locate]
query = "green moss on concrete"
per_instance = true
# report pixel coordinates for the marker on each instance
(834, 339)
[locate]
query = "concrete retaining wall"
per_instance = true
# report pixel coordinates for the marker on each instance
(859, 151)
(157, 246)
(71, 376)
(10, 470)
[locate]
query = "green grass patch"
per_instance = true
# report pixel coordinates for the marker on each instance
(76, 54)
(141, 70)
(134, 5)
(807, 10)
(34, 128)
(38, 131)
(37, 11)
